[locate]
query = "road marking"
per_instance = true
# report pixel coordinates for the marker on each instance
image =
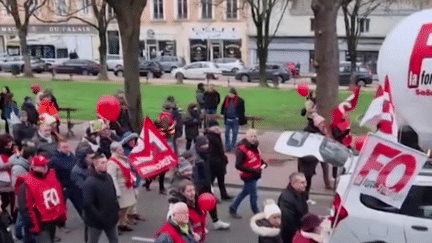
(143, 239)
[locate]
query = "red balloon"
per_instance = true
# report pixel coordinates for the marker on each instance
(359, 141)
(207, 201)
(108, 107)
(303, 89)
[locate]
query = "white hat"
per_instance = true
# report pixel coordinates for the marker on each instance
(271, 208)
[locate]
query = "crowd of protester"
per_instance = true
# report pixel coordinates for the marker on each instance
(39, 172)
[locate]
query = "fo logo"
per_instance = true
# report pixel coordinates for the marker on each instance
(51, 198)
(420, 73)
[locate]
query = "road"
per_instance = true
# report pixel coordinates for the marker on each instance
(153, 207)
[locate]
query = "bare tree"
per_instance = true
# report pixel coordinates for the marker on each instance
(100, 23)
(355, 18)
(263, 12)
(326, 60)
(128, 13)
(21, 12)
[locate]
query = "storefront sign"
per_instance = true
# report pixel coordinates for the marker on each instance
(50, 29)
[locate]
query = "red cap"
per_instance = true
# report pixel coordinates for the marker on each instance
(39, 160)
(35, 88)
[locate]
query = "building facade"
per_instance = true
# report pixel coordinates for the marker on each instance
(294, 40)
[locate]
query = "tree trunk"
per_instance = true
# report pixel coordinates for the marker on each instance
(326, 56)
(262, 57)
(130, 31)
(23, 43)
(103, 75)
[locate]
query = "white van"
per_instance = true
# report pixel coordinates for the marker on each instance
(53, 51)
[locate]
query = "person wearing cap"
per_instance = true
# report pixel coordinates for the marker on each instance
(41, 199)
(218, 160)
(233, 109)
(310, 231)
(202, 176)
(267, 224)
(106, 137)
(123, 123)
(192, 123)
(293, 204)
(23, 130)
(211, 100)
(250, 164)
(91, 139)
(177, 228)
(101, 208)
(29, 107)
(124, 180)
(184, 169)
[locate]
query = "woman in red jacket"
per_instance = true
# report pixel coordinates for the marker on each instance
(311, 230)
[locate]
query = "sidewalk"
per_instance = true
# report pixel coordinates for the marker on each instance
(275, 177)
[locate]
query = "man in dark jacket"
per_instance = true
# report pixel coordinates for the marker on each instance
(23, 130)
(233, 109)
(292, 203)
(44, 140)
(29, 107)
(218, 160)
(63, 161)
(192, 123)
(101, 208)
(200, 96)
(211, 100)
(250, 164)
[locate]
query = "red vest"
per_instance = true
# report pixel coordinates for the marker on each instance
(253, 161)
(45, 199)
(169, 229)
(199, 222)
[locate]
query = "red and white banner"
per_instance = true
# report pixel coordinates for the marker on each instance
(153, 155)
(386, 170)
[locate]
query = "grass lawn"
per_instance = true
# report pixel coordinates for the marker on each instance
(280, 108)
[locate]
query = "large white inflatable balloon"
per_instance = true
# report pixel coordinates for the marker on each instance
(406, 57)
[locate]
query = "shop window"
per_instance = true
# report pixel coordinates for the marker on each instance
(207, 8)
(312, 24)
(113, 42)
(85, 6)
(232, 9)
(182, 9)
(61, 7)
(48, 52)
(110, 12)
(62, 53)
(364, 25)
(158, 9)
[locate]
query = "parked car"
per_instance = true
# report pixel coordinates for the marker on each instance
(10, 62)
(76, 66)
(197, 70)
(114, 62)
(274, 72)
(230, 65)
(147, 68)
(363, 76)
(170, 63)
(292, 67)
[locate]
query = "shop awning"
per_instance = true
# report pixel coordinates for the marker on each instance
(214, 35)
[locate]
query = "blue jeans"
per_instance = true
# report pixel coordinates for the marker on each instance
(231, 125)
(249, 188)
(210, 111)
(22, 229)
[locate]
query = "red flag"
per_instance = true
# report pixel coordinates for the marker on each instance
(153, 155)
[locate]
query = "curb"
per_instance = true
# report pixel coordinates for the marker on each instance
(274, 189)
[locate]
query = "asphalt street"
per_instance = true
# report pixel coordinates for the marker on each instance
(154, 206)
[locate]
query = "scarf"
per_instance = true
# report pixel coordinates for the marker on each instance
(126, 170)
(234, 101)
(48, 139)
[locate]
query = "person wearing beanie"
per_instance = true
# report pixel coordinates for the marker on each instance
(192, 123)
(177, 228)
(24, 129)
(218, 160)
(183, 171)
(31, 189)
(202, 175)
(250, 164)
(267, 224)
(233, 109)
(311, 230)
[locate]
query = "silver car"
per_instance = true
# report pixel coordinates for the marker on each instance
(170, 63)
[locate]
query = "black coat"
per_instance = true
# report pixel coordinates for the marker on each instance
(201, 171)
(307, 165)
(240, 108)
(23, 131)
(192, 123)
(266, 232)
(211, 100)
(32, 113)
(5, 234)
(293, 206)
(218, 160)
(101, 208)
(241, 159)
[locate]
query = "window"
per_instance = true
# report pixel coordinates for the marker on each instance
(207, 9)
(158, 9)
(62, 53)
(85, 6)
(110, 12)
(61, 7)
(231, 9)
(364, 25)
(182, 12)
(312, 24)
(113, 43)
(194, 66)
